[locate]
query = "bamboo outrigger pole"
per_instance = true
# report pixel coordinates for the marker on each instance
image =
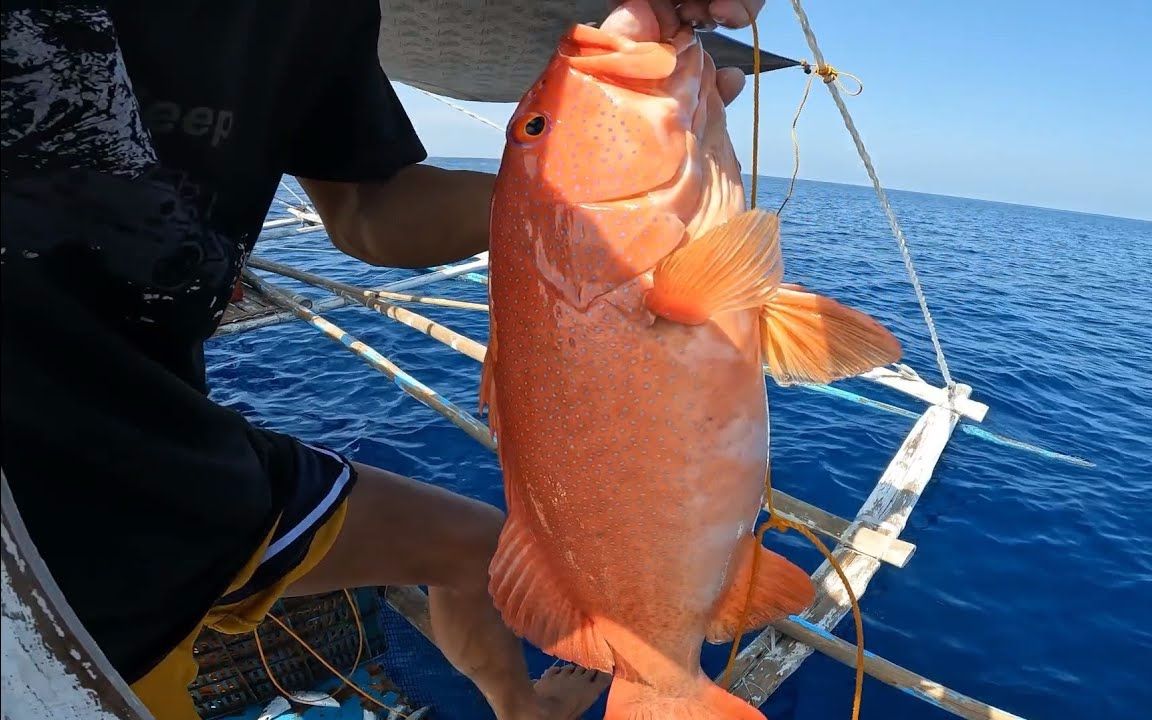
(374, 300)
(858, 536)
(890, 673)
(463, 420)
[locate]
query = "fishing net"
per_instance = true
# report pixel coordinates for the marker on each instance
(422, 674)
(399, 666)
(232, 677)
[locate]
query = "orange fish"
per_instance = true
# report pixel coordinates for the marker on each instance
(634, 305)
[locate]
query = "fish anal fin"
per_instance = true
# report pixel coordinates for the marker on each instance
(809, 338)
(782, 589)
(536, 607)
(734, 266)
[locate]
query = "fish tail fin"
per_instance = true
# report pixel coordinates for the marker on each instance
(810, 338)
(706, 701)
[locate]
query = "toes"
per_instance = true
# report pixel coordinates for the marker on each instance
(567, 691)
(556, 670)
(578, 673)
(599, 679)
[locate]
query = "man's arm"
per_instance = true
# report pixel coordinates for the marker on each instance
(357, 155)
(422, 216)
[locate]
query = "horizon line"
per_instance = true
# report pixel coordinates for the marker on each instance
(886, 188)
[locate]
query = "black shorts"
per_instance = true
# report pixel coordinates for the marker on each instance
(145, 498)
(322, 479)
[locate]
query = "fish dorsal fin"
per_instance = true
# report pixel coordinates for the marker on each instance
(734, 266)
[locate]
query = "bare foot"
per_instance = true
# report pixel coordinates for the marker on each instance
(566, 692)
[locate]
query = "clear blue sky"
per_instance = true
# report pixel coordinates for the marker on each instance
(1044, 103)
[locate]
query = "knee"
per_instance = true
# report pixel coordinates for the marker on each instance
(484, 529)
(479, 537)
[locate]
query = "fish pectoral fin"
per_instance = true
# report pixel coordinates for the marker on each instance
(734, 266)
(809, 338)
(536, 607)
(488, 381)
(782, 589)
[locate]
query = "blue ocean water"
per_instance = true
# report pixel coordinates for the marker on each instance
(1031, 586)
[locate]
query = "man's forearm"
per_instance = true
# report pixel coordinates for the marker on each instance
(424, 216)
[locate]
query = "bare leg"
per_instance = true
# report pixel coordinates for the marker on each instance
(402, 532)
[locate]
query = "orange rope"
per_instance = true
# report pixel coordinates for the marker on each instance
(741, 626)
(755, 113)
(776, 522)
(829, 74)
(304, 643)
(795, 146)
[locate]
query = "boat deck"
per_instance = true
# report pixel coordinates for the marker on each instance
(253, 305)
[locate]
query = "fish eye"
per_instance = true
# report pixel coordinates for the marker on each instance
(531, 127)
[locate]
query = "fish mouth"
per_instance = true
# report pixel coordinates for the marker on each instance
(600, 53)
(661, 70)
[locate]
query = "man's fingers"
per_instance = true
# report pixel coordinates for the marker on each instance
(697, 14)
(735, 13)
(729, 83)
(666, 15)
(665, 11)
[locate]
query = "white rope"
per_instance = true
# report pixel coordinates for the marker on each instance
(284, 202)
(464, 110)
(895, 225)
(303, 203)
